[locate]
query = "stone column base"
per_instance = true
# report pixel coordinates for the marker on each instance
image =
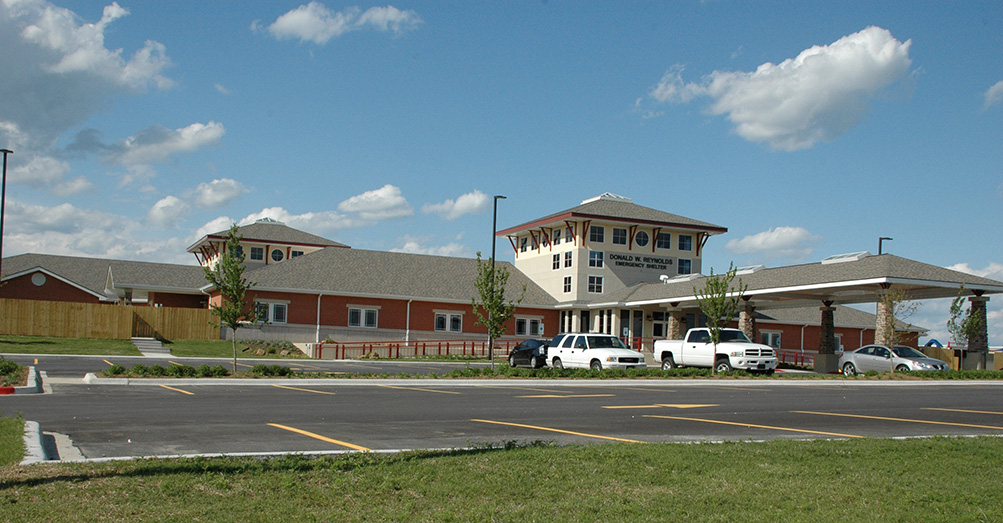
(826, 363)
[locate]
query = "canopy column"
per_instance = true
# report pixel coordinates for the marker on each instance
(827, 362)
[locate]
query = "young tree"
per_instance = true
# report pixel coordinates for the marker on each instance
(898, 308)
(227, 276)
(717, 305)
(962, 325)
(493, 310)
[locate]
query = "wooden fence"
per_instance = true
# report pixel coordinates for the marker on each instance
(93, 320)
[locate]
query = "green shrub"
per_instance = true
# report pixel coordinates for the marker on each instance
(114, 370)
(181, 371)
(270, 370)
(205, 371)
(139, 370)
(157, 370)
(8, 367)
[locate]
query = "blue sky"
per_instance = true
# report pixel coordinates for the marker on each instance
(807, 129)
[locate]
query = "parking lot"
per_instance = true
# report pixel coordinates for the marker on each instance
(195, 417)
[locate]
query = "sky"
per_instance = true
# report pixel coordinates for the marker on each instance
(807, 129)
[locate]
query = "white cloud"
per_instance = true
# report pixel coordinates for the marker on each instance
(168, 212)
(470, 203)
(48, 174)
(316, 23)
(218, 193)
(380, 204)
(221, 89)
(415, 246)
(157, 143)
(817, 96)
(993, 271)
(794, 243)
(57, 71)
(994, 95)
(319, 223)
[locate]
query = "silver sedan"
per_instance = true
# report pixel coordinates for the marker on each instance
(880, 358)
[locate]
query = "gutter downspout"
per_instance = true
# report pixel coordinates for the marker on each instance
(316, 337)
(803, 327)
(407, 325)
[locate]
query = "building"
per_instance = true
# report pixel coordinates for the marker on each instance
(607, 265)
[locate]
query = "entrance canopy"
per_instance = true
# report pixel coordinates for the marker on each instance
(845, 279)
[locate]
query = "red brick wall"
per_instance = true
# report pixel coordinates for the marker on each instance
(21, 288)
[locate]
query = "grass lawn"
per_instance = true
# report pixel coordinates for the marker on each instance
(11, 442)
(939, 479)
(75, 346)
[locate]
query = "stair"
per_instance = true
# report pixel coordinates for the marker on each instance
(151, 347)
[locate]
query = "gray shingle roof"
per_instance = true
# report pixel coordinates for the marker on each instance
(923, 281)
(378, 273)
(92, 273)
(614, 209)
(271, 232)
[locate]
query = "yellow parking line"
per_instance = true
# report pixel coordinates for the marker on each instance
(652, 389)
(568, 396)
(754, 426)
(106, 361)
(303, 390)
(548, 429)
(178, 390)
(963, 410)
(664, 405)
(317, 436)
(174, 363)
(420, 390)
(906, 420)
(523, 388)
(760, 389)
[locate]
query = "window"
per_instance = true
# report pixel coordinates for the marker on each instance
(597, 233)
(567, 284)
(295, 254)
(362, 317)
(544, 239)
(595, 258)
(272, 312)
(567, 259)
(528, 327)
(277, 255)
(556, 235)
(448, 322)
(771, 338)
(522, 244)
(257, 253)
(568, 235)
(685, 242)
(238, 253)
(641, 238)
(685, 266)
(557, 261)
(619, 236)
(663, 240)
(595, 284)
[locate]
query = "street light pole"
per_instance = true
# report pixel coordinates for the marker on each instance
(3, 201)
(494, 230)
(881, 240)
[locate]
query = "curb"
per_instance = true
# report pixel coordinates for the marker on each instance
(92, 379)
(33, 450)
(34, 385)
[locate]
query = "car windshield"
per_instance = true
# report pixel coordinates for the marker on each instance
(605, 342)
(734, 336)
(908, 352)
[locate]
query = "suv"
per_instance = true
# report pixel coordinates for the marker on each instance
(592, 351)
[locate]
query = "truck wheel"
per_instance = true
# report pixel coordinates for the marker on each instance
(558, 364)
(723, 365)
(668, 364)
(596, 365)
(849, 369)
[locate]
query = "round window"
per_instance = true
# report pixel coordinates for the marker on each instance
(277, 255)
(38, 279)
(641, 238)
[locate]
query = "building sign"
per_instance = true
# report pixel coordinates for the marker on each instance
(640, 261)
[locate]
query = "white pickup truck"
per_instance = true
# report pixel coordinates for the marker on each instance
(734, 352)
(592, 351)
